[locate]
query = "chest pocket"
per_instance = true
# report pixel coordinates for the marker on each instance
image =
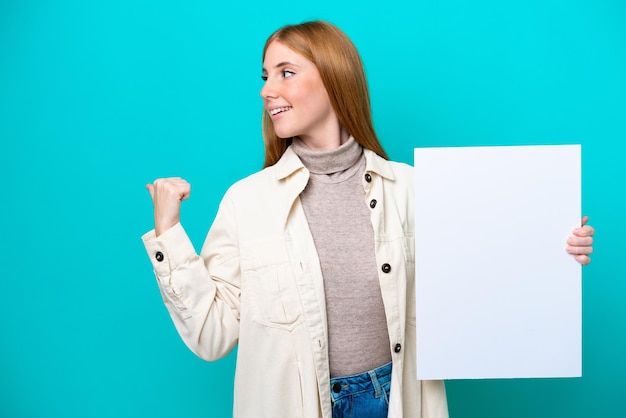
(269, 291)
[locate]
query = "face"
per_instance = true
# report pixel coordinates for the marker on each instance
(295, 98)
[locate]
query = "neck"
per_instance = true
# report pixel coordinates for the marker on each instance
(326, 142)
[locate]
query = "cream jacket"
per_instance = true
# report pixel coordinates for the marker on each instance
(258, 283)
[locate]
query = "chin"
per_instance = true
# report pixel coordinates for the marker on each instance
(285, 130)
(285, 134)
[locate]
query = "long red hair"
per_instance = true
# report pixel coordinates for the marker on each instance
(342, 73)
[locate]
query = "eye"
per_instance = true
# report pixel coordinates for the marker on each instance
(264, 77)
(287, 73)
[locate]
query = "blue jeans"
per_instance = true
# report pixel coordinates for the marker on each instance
(364, 395)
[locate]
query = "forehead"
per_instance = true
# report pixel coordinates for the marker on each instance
(278, 54)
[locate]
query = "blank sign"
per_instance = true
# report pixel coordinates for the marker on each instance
(497, 295)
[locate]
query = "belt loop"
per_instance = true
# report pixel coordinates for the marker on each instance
(377, 388)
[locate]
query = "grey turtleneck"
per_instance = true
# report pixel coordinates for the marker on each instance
(339, 220)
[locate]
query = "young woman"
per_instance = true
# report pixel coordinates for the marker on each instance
(308, 264)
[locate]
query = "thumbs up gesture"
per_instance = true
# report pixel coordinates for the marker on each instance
(167, 195)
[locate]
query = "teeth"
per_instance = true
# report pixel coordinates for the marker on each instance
(279, 109)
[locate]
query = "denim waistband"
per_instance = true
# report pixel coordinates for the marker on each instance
(371, 380)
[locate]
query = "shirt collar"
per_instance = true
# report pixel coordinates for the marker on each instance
(289, 163)
(374, 163)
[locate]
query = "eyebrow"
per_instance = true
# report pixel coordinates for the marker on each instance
(282, 64)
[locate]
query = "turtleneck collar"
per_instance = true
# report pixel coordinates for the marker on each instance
(329, 161)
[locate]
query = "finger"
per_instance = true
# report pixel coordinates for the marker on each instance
(150, 188)
(184, 190)
(575, 250)
(580, 241)
(173, 186)
(584, 221)
(583, 259)
(584, 231)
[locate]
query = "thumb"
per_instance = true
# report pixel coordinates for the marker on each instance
(584, 220)
(150, 188)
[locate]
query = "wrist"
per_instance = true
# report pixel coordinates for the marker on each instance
(161, 226)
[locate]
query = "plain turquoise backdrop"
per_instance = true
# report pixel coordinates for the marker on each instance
(97, 98)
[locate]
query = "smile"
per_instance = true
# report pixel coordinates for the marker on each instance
(279, 110)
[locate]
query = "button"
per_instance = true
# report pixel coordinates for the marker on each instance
(386, 268)
(159, 256)
(373, 203)
(368, 178)
(337, 387)
(397, 348)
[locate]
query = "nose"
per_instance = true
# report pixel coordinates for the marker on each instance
(268, 91)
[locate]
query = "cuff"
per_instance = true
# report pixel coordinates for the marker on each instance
(169, 250)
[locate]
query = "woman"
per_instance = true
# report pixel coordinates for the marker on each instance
(307, 264)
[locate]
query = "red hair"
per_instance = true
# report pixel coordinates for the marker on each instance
(342, 73)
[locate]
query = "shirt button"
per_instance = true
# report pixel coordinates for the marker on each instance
(159, 256)
(386, 268)
(397, 348)
(337, 387)
(368, 178)
(373, 203)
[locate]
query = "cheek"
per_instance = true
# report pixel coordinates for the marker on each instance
(316, 98)
(311, 88)
(303, 92)
(322, 96)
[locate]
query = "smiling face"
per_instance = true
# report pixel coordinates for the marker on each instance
(296, 99)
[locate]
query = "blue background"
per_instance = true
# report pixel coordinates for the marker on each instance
(98, 98)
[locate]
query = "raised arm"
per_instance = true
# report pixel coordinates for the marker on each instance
(202, 294)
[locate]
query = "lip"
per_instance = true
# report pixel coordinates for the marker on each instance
(270, 111)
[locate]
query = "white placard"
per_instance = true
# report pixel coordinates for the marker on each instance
(497, 295)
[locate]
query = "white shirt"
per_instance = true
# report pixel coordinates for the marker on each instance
(258, 283)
